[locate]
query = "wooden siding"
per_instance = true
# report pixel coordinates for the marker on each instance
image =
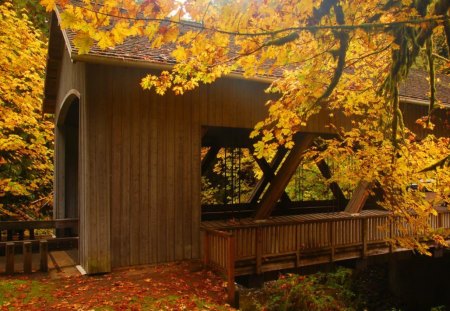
(140, 160)
(143, 157)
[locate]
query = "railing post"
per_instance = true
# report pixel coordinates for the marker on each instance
(31, 234)
(27, 259)
(391, 234)
(332, 239)
(21, 234)
(206, 255)
(9, 235)
(43, 250)
(364, 233)
(9, 252)
(230, 270)
(258, 250)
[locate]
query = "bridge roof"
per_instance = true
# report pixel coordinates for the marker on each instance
(137, 51)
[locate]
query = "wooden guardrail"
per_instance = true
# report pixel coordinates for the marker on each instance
(288, 242)
(219, 251)
(10, 248)
(31, 225)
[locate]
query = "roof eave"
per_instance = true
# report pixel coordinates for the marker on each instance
(137, 63)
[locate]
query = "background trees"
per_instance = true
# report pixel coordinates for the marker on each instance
(26, 148)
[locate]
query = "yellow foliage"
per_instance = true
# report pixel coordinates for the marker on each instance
(331, 57)
(25, 136)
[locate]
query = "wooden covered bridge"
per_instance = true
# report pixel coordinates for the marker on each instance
(134, 166)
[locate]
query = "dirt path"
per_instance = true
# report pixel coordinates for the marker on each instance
(175, 286)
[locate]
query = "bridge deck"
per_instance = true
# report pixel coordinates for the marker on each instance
(248, 246)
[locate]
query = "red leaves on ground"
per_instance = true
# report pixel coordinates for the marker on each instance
(163, 287)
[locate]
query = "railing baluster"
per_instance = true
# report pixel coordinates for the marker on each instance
(364, 227)
(9, 252)
(230, 270)
(259, 250)
(43, 250)
(27, 257)
(206, 250)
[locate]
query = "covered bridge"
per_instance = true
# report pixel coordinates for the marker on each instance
(129, 162)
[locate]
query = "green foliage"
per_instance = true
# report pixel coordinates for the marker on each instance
(321, 291)
(308, 184)
(36, 13)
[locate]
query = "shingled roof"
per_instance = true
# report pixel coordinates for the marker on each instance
(137, 51)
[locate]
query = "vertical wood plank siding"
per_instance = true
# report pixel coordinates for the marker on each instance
(144, 160)
(140, 162)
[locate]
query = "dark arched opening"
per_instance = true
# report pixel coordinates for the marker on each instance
(70, 130)
(67, 168)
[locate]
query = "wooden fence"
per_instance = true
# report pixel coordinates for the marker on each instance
(219, 252)
(251, 247)
(13, 246)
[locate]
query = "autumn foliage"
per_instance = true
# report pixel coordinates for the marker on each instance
(163, 287)
(26, 150)
(327, 57)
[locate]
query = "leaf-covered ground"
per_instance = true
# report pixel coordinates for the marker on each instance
(175, 286)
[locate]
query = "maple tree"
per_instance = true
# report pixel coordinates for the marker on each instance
(35, 13)
(26, 149)
(324, 55)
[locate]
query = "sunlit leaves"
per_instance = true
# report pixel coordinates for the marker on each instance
(297, 43)
(25, 137)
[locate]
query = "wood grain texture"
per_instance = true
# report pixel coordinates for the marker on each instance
(140, 164)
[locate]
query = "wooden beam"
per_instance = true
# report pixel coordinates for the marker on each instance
(359, 197)
(269, 174)
(209, 158)
(284, 175)
(334, 187)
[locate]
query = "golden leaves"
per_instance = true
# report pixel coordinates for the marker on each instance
(25, 137)
(267, 39)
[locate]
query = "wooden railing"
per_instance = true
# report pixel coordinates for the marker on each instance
(289, 242)
(219, 251)
(42, 244)
(20, 226)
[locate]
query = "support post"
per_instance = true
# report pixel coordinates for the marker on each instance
(359, 197)
(206, 249)
(43, 250)
(209, 158)
(334, 187)
(259, 250)
(364, 237)
(230, 270)
(269, 174)
(32, 234)
(281, 180)
(9, 266)
(9, 235)
(27, 257)
(391, 235)
(332, 240)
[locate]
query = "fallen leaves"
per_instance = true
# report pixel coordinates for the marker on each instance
(163, 287)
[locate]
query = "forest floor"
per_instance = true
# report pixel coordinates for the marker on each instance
(174, 286)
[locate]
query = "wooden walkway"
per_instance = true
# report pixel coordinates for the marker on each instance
(250, 246)
(61, 263)
(30, 246)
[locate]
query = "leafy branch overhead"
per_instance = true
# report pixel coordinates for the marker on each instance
(325, 58)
